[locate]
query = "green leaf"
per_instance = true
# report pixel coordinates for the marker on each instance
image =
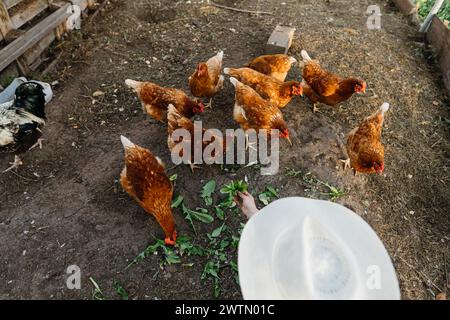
(219, 213)
(268, 195)
(235, 241)
(178, 200)
(234, 266)
(211, 269)
(120, 290)
(224, 244)
(201, 215)
(217, 232)
(188, 216)
(97, 293)
(209, 188)
(173, 177)
(273, 192)
(171, 257)
(148, 251)
(264, 198)
(234, 187)
(216, 288)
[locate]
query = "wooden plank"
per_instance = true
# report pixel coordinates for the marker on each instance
(280, 41)
(35, 51)
(11, 3)
(27, 10)
(16, 48)
(438, 36)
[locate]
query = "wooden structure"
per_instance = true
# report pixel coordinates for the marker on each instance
(28, 27)
(280, 41)
(437, 35)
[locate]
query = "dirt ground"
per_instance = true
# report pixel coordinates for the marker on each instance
(65, 206)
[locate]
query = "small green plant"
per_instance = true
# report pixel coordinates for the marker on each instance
(185, 246)
(217, 249)
(151, 249)
(207, 191)
(315, 187)
(97, 293)
(233, 188)
(211, 269)
(201, 214)
(173, 177)
(120, 290)
(170, 257)
(292, 172)
(177, 201)
(268, 195)
(334, 192)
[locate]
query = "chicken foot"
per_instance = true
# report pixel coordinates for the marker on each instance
(17, 162)
(38, 143)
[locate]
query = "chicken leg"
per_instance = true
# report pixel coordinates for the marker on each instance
(17, 162)
(209, 105)
(346, 163)
(38, 143)
(315, 108)
(193, 166)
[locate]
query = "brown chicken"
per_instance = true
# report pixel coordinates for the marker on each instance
(207, 80)
(326, 87)
(144, 179)
(279, 93)
(364, 147)
(251, 111)
(275, 65)
(177, 121)
(155, 100)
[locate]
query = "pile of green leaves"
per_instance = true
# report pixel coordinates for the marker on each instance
(219, 247)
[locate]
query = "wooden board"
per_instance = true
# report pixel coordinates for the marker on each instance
(19, 46)
(280, 40)
(11, 3)
(32, 54)
(438, 36)
(26, 10)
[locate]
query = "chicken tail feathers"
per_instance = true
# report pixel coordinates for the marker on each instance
(126, 143)
(220, 55)
(132, 83)
(173, 114)
(234, 81)
(384, 107)
(305, 56)
(226, 70)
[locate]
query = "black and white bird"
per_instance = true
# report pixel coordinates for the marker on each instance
(21, 121)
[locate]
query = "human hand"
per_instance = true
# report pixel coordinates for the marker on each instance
(246, 202)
